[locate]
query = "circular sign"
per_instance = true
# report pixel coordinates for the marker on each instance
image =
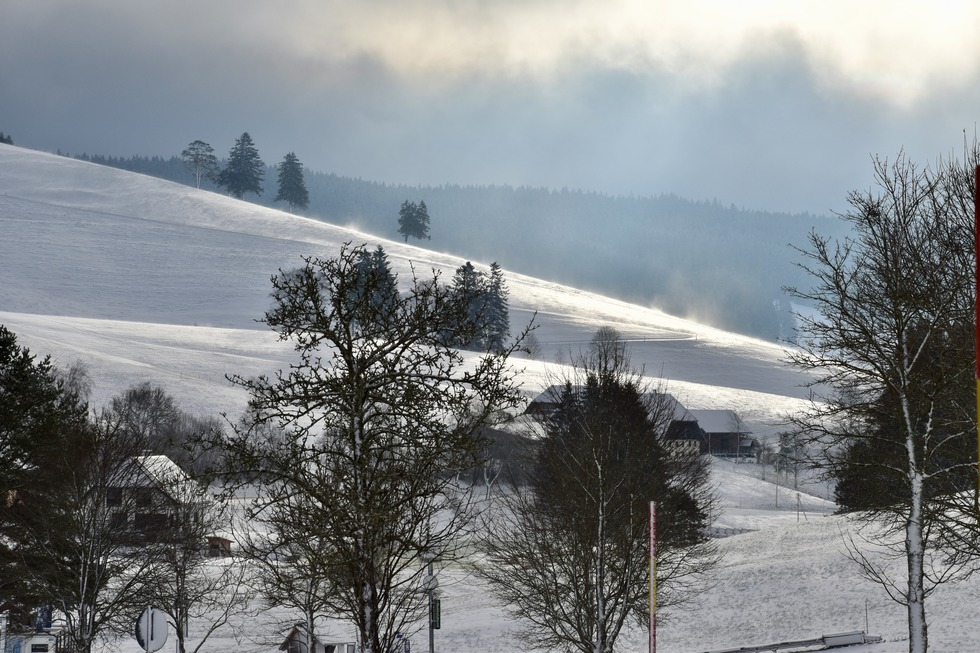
(151, 629)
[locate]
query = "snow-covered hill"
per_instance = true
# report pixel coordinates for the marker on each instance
(93, 257)
(144, 280)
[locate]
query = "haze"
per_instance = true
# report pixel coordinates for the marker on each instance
(766, 105)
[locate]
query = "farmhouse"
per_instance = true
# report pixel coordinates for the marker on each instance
(724, 433)
(148, 495)
(717, 432)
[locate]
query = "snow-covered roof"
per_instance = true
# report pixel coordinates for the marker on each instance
(162, 469)
(550, 396)
(719, 421)
(165, 474)
(327, 632)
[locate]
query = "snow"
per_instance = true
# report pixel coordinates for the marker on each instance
(144, 280)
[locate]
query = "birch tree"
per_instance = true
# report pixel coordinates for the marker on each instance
(381, 418)
(885, 343)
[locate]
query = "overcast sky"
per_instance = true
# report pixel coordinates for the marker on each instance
(773, 104)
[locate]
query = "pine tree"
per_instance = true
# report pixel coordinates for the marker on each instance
(413, 220)
(245, 169)
(469, 289)
(496, 319)
(373, 279)
(200, 160)
(292, 188)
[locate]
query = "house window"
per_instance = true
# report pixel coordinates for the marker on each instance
(144, 497)
(152, 525)
(119, 520)
(113, 496)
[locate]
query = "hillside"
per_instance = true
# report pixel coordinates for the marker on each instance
(722, 264)
(93, 255)
(142, 279)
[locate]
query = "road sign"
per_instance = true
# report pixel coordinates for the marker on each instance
(151, 629)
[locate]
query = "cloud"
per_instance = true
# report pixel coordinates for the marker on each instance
(895, 50)
(763, 103)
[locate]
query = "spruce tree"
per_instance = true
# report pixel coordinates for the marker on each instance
(292, 188)
(245, 169)
(569, 553)
(469, 289)
(496, 320)
(373, 283)
(35, 406)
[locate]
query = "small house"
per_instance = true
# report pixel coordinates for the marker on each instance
(297, 641)
(146, 496)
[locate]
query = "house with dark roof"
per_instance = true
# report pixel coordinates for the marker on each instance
(725, 434)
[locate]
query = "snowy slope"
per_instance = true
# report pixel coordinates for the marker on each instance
(84, 242)
(141, 279)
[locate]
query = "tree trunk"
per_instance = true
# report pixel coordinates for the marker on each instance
(918, 635)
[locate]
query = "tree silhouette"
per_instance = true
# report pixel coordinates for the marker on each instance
(292, 188)
(244, 171)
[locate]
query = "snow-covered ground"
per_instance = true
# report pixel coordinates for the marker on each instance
(143, 280)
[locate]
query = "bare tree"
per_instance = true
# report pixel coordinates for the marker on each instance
(192, 587)
(568, 553)
(381, 417)
(891, 302)
(792, 456)
(295, 566)
(150, 412)
(607, 352)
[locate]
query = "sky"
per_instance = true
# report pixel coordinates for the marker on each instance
(765, 104)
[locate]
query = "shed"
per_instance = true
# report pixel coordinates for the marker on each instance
(297, 642)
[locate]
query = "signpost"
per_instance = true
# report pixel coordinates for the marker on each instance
(151, 629)
(431, 587)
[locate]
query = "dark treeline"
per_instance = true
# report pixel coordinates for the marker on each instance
(718, 264)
